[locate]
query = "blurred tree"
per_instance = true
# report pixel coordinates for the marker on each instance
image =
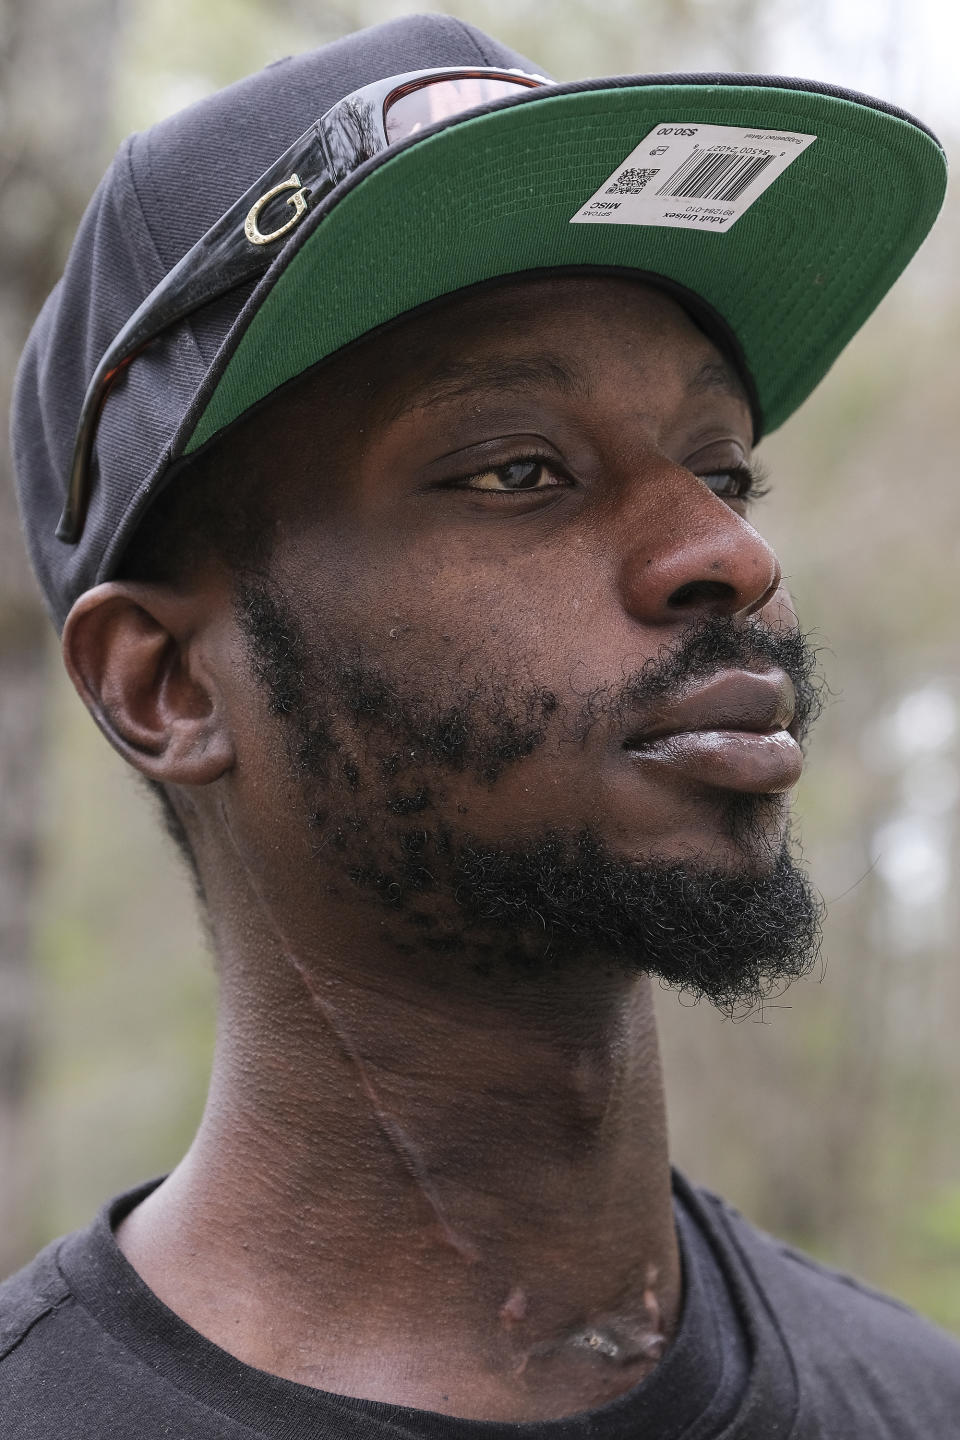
(56, 58)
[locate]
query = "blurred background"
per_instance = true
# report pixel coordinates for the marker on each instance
(832, 1117)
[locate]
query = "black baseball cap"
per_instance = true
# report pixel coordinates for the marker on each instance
(779, 211)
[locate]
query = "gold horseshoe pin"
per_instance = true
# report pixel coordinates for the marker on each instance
(299, 202)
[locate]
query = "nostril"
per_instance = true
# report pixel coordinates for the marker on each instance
(701, 593)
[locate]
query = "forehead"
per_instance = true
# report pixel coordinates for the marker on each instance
(573, 334)
(592, 322)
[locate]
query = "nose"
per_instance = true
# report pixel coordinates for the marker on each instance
(689, 555)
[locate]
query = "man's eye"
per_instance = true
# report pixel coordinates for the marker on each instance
(519, 475)
(740, 482)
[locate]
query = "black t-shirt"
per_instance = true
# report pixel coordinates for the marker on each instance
(770, 1347)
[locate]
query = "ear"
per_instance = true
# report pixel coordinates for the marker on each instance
(143, 661)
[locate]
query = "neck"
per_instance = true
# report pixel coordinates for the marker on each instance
(444, 1190)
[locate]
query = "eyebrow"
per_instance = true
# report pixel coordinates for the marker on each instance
(459, 379)
(717, 375)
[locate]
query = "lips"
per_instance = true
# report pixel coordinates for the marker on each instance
(732, 732)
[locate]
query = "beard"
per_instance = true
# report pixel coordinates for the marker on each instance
(371, 754)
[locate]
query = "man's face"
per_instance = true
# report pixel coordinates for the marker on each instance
(527, 662)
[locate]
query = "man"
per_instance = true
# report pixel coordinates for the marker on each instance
(398, 532)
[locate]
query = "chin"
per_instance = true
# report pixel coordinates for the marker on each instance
(743, 834)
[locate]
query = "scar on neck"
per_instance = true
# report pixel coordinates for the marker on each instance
(608, 1346)
(641, 1339)
(392, 1131)
(514, 1308)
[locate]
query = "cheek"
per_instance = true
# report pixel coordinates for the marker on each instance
(440, 613)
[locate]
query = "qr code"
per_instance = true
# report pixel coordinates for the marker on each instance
(631, 182)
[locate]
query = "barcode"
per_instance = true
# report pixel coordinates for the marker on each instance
(714, 175)
(631, 182)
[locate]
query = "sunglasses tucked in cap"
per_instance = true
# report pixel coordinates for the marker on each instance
(236, 248)
(253, 236)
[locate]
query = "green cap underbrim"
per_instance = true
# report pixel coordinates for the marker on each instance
(492, 196)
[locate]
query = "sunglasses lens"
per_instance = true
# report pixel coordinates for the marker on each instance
(439, 99)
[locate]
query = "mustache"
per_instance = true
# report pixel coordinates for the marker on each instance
(711, 644)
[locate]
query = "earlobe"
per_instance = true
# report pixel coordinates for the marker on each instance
(137, 659)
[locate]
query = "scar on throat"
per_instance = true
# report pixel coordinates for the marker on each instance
(650, 1302)
(598, 1342)
(392, 1131)
(634, 1343)
(513, 1309)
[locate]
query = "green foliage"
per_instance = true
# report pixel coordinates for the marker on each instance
(938, 1225)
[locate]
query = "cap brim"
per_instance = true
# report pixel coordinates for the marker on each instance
(493, 196)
